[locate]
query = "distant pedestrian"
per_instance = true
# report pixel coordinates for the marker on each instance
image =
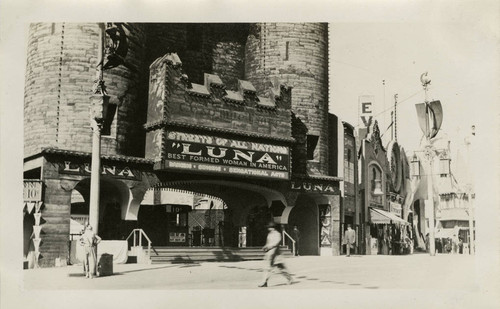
(296, 236)
(349, 239)
(455, 239)
(89, 241)
(272, 259)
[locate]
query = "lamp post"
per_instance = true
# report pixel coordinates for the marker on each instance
(98, 108)
(468, 141)
(430, 116)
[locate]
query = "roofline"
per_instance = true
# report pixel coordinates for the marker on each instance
(119, 158)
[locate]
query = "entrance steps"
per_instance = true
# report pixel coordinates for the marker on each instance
(163, 255)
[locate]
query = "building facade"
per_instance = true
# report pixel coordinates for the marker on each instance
(234, 112)
(384, 185)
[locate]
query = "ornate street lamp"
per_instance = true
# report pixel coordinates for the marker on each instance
(99, 102)
(115, 55)
(430, 118)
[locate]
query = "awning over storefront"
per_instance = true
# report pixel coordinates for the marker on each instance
(379, 216)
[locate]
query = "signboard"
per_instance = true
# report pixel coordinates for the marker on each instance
(366, 109)
(176, 209)
(33, 190)
(316, 186)
(395, 208)
(177, 237)
(227, 156)
(84, 169)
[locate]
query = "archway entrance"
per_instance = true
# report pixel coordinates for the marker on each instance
(312, 214)
(219, 213)
(114, 197)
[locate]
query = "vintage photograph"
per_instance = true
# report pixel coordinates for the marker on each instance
(245, 156)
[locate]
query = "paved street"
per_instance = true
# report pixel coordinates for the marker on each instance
(414, 281)
(418, 271)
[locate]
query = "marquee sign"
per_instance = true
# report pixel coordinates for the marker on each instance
(84, 169)
(220, 155)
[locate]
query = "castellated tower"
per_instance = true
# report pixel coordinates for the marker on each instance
(296, 54)
(61, 68)
(62, 59)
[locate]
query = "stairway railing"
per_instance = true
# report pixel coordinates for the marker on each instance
(289, 237)
(138, 234)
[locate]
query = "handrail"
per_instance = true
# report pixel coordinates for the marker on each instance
(293, 241)
(139, 242)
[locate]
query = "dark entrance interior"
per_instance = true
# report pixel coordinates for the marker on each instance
(153, 220)
(305, 215)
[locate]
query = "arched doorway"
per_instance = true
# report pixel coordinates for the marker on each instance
(113, 199)
(242, 222)
(305, 215)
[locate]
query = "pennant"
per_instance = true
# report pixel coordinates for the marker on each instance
(30, 206)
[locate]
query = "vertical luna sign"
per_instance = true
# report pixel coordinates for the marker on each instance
(366, 109)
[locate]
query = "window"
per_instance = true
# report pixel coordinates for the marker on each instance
(349, 167)
(287, 50)
(312, 142)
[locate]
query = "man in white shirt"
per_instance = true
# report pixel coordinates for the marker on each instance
(272, 258)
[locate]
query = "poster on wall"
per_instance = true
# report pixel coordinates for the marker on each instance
(325, 220)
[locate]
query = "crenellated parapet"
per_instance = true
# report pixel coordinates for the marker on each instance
(175, 101)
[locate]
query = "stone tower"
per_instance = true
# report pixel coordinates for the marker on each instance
(62, 58)
(296, 54)
(61, 67)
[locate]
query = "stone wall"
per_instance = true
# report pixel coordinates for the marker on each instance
(174, 99)
(297, 54)
(203, 48)
(60, 72)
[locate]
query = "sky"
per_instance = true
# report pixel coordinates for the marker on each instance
(456, 55)
(456, 42)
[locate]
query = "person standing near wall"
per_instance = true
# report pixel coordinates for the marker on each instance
(89, 241)
(349, 239)
(296, 237)
(272, 259)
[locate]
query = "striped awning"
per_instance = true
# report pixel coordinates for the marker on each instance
(378, 216)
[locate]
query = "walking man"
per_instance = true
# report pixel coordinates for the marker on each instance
(272, 259)
(89, 241)
(349, 239)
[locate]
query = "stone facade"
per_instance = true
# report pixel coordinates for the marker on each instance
(296, 54)
(231, 81)
(62, 58)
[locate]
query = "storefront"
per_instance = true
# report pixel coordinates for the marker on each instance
(384, 184)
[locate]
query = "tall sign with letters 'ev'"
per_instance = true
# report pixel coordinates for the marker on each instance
(366, 109)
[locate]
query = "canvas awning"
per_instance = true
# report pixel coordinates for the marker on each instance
(379, 216)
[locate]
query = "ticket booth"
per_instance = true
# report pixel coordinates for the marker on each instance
(177, 225)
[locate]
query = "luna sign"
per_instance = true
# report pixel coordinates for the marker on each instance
(221, 155)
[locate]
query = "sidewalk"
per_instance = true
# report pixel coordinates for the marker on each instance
(419, 271)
